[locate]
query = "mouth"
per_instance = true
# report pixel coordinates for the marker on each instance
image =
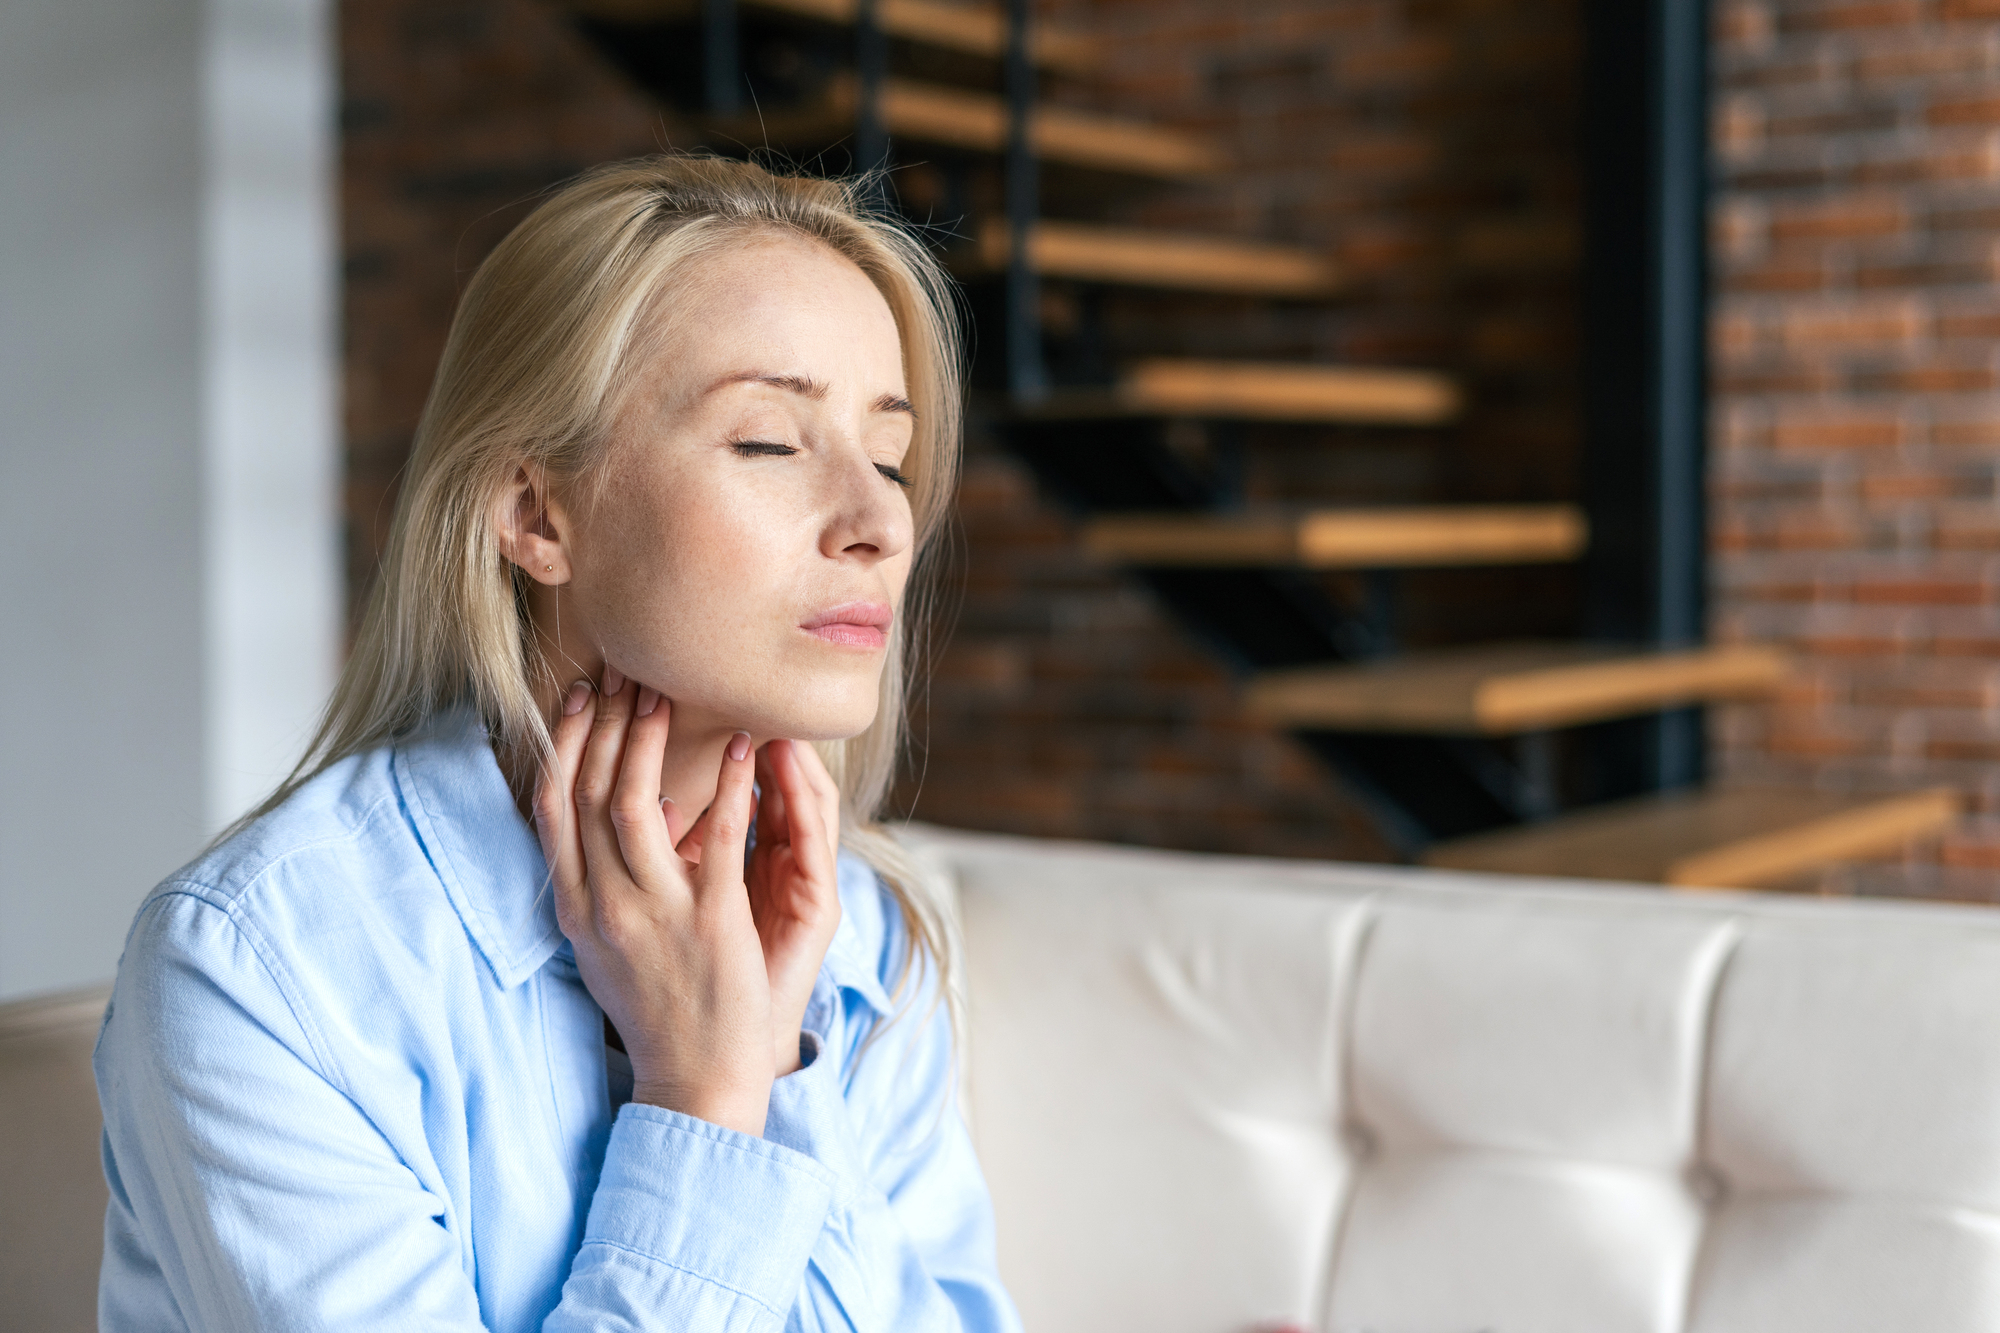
(853, 625)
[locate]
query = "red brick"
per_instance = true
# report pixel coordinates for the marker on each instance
(1915, 485)
(1852, 324)
(1783, 274)
(1746, 25)
(1735, 334)
(1838, 17)
(1735, 379)
(1975, 843)
(1817, 746)
(1982, 110)
(1816, 530)
(1939, 52)
(1846, 117)
(1739, 126)
(1382, 154)
(1960, 271)
(1845, 217)
(1947, 161)
(1851, 428)
(1977, 325)
(1972, 751)
(1928, 379)
(1923, 592)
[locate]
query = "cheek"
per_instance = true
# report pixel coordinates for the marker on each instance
(669, 553)
(672, 568)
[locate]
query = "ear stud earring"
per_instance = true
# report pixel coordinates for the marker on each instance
(550, 568)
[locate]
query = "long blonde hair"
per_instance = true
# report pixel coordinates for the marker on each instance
(546, 337)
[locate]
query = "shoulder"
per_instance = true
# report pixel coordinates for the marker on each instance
(337, 832)
(212, 945)
(331, 873)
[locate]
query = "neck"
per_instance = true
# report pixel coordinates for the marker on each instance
(688, 771)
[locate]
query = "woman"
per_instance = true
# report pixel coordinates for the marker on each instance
(486, 1019)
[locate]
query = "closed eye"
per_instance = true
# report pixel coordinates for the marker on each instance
(773, 449)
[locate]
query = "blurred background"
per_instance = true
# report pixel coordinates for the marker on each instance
(1551, 435)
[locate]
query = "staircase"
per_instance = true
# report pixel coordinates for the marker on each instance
(1510, 756)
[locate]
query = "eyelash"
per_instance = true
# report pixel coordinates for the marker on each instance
(767, 449)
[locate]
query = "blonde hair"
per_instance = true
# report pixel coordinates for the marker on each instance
(546, 336)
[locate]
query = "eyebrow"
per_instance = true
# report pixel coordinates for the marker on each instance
(807, 387)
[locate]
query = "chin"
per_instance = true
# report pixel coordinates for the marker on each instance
(821, 727)
(808, 718)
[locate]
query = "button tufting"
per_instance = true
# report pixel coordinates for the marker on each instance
(1706, 1184)
(1359, 1139)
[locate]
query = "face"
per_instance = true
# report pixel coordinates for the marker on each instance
(748, 550)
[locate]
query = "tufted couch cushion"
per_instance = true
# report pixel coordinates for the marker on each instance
(1213, 1093)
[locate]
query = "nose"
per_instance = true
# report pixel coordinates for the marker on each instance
(868, 514)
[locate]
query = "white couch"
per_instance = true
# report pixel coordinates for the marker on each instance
(1215, 1092)
(1212, 1093)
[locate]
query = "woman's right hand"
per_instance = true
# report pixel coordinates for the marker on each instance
(669, 950)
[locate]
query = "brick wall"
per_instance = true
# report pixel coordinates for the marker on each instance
(1856, 419)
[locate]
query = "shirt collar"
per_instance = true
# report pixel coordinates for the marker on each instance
(864, 915)
(481, 848)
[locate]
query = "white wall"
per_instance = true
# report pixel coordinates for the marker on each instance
(168, 575)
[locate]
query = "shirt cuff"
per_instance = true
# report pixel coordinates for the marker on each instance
(808, 1114)
(740, 1213)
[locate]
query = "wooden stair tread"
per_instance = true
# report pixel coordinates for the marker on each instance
(1376, 538)
(1744, 838)
(1138, 258)
(929, 113)
(979, 30)
(1264, 391)
(1508, 688)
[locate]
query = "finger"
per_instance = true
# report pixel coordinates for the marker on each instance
(597, 776)
(676, 822)
(728, 819)
(807, 814)
(689, 843)
(554, 804)
(829, 792)
(637, 818)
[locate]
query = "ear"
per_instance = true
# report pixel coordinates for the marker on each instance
(531, 527)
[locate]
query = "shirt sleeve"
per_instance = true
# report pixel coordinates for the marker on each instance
(910, 1241)
(250, 1192)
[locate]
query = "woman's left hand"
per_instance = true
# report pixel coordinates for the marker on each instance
(794, 890)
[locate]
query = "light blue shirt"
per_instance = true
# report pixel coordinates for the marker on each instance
(352, 1080)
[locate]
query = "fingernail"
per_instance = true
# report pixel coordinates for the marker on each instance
(579, 693)
(649, 699)
(739, 746)
(613, 682)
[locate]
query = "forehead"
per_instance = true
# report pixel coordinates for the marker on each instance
(781, 293)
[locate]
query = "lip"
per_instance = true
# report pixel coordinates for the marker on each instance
(853, 625)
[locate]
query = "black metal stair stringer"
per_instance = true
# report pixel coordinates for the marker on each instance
(1421, 788)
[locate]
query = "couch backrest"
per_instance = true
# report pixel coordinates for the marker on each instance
(1211, 1093)
(52, 1192)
